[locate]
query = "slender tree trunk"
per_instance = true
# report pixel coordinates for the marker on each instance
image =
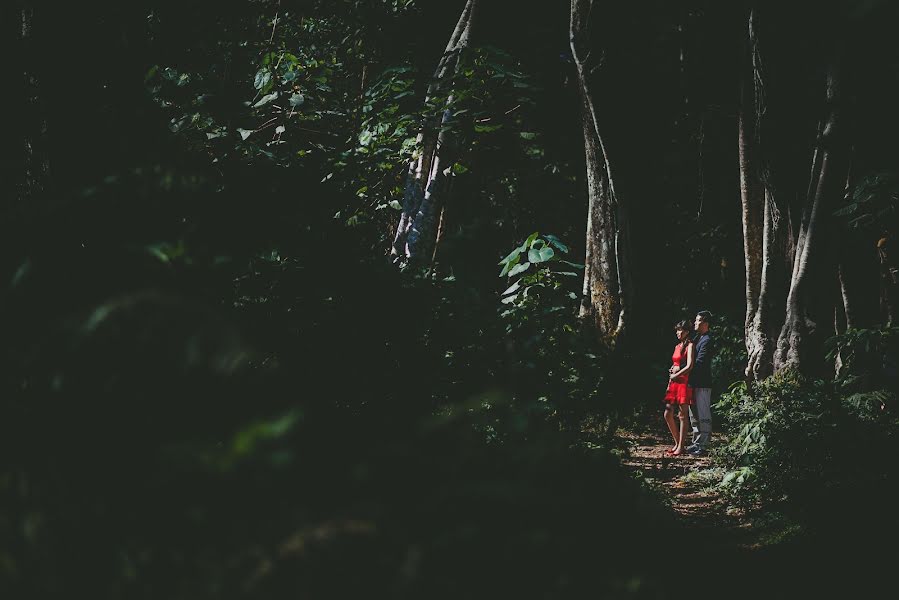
(766, 238)
(607, 281)
(806, 325)
(428, 179)
(755, 219)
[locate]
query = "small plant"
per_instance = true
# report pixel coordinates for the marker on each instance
(555, 368)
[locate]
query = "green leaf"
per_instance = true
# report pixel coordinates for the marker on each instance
(244, 133)
(510, 263)
(530, 241)
(520, 268)
(556, 242)
(512, 288)
(266, 99)
(262, 79)
(296, 100)
(511, 256)
(540, 255)
(571, 264)
(486, 128)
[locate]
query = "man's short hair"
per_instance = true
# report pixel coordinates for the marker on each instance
(705, 316)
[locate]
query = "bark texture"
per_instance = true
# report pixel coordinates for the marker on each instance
(428, 179)
(766, 230)
(607, 289)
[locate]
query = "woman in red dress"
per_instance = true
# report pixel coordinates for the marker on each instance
(679, 395)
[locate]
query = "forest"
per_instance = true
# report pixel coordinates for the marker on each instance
(375, 298)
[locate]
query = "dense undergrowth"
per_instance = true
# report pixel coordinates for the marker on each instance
(818, 452)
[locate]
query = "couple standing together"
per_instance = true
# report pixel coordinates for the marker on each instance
(690, 387)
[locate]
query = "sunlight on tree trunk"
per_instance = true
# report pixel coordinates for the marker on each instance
(765, 224)
(607, 282)
(428, 180)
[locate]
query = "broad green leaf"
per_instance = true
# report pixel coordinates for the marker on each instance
(244, 133)
(266, 99)
(511, 256)
(512, 288)
(528, 242)
(262, 79)
(556, 242)
(540, 255)
(520, 268)
(296, 100)
(509, 264)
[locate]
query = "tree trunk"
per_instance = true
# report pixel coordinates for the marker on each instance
(754, 213)
(808, 315)
(766, 239)
(428, 179)
(607, 282)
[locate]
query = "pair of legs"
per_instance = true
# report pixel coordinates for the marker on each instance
(678, 431)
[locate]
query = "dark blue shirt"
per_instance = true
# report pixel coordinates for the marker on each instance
(701, 375)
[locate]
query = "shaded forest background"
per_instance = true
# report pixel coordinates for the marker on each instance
(218, 382)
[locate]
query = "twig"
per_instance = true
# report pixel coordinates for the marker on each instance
(274, 24)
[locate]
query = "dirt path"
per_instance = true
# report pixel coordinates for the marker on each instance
(688, 483)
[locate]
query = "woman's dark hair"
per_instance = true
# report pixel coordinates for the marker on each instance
(684, 324)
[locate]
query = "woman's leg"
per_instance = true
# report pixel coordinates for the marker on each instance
(672, 427)
(682, 432)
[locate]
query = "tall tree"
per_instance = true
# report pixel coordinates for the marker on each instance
(607, 290)
(788, 261)
(806, 320)
(428, 181)
(766, 216)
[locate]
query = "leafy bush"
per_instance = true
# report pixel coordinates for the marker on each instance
(557, 366)
(799, 445)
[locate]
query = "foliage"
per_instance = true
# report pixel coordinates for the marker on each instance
(730, 358)
(557, 366)
(794, 446)
(872, 202)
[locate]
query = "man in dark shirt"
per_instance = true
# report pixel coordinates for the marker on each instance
(701, 382)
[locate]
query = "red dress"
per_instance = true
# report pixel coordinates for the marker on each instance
(678, 391)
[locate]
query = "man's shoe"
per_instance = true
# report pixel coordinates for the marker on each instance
(691, 447)
(695, 451)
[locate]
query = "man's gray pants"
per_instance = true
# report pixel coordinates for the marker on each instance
(701, 417)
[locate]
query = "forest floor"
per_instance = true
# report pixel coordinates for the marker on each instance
(689, 484)
(747, 555)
